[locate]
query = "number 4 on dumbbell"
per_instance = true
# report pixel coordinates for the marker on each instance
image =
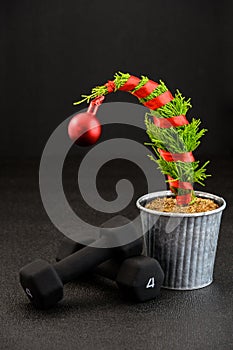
(151, 283)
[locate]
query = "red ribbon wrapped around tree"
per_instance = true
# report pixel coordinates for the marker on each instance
(173, 137)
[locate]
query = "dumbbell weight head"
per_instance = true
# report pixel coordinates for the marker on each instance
(43, 283)
(140, 278)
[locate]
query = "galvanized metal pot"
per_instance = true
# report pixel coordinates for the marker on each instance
(184, 244)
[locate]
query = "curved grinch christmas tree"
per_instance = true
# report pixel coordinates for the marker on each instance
(173, 138)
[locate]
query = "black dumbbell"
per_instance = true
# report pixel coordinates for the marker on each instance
(43, 282)
(138, 278)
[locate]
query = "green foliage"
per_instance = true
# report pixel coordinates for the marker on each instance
(177, 140)
(178, 106)
(181, 139)
(95, 92)
(161, 88)
(187, 172)
(120, 79)
(143, 81)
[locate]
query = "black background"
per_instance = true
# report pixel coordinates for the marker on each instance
(53, 51)
(50, 53)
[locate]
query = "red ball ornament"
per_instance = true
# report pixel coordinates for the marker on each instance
(85, 128)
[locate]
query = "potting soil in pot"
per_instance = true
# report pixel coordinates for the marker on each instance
(168, 204)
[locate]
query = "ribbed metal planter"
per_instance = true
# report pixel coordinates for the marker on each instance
(184, 244)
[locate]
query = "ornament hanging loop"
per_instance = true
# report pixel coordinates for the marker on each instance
(95, 104)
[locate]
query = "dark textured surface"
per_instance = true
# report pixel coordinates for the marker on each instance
(92, 316)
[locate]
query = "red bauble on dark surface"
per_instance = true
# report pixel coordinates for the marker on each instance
(84, 129)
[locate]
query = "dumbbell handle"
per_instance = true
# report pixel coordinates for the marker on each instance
(146, 287)
(108, 269)
(82, 261)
